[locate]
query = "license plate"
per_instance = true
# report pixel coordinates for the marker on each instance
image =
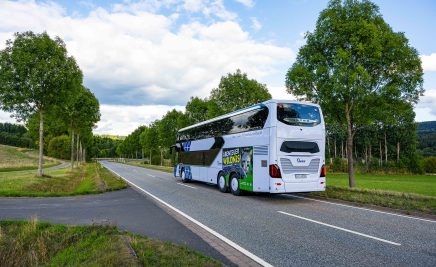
(300, 176)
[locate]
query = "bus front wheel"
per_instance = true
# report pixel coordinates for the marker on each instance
(234, 185)
(222, 183)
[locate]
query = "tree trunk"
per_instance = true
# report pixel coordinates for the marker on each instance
(398, 151)
(381, 155)
(161, 157)
(370, 154)
(386, 149)
(77, 149)
(336, 154)
(349, 147)
(81, 152)
(342, 149)
(328, 145)
(84, 154)
(41, 143)
(72, 150)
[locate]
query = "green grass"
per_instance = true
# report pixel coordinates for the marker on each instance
(407, 202)
(153, 167)
(43, 244)
(88, 179)
(17, 159)
(414, 184)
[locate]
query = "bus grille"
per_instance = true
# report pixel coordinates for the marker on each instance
(288, 168)
(261, 150)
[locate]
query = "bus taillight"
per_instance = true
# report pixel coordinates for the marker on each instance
(274, 171)
(323, 171)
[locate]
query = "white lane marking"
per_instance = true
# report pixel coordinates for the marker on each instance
(360, 208)
(187, 185)
(340, 228)
(218, 235)
(151, 175)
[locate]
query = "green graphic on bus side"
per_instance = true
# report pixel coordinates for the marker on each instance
(240, 160)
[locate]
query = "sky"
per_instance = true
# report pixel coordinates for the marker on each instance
(144, 58)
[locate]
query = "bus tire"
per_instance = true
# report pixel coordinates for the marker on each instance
(221, 183)
(182, 175)
(234, 184)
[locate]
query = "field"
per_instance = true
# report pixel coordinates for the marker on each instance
(89, 178)
(414, 184)
(13, 159)
(42, 244)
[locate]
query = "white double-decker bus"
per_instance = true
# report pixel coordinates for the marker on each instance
(276, 146)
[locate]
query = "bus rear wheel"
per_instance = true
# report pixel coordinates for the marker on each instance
(222, 183)
(183, 176)
(234, 185)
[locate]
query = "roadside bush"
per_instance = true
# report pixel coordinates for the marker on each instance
(338, 165)
(60, 147)
(430, 165)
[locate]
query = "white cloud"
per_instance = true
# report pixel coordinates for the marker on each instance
(122, 120)
(6, 117)
(247, 3)
(426, 107)
(130, 55)
(429, 62)
(255, 24)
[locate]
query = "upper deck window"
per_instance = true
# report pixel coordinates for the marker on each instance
(298, 114)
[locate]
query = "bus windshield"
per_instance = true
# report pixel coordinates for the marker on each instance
(298, 114)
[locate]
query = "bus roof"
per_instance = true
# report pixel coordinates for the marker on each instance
(240, 111)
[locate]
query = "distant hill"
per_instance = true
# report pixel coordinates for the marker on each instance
(113, 137)
(427, 138)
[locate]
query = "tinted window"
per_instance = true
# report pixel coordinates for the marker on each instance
(248, 121)
(298, 114)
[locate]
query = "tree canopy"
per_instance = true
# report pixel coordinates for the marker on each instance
(356, 67)
(236, 91)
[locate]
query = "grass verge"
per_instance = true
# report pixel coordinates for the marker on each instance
(43, 244)
(403, 201)
(149, 166)
(414, 184)
(88, 179)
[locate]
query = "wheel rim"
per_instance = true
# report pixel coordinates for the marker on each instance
(234, 184)
(222, 182)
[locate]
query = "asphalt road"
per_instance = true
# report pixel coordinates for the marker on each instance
(286, 230)
(127, 209)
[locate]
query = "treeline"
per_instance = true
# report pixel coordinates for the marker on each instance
(234, 91)
(427, 138)
(377, 147)
(15, 135)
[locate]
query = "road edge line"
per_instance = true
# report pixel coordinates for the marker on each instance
(362, 208)
(213, 232)
(341, 228)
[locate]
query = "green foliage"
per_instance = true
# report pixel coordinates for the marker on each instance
(35, 71)
(103, 147)
(236, 91)
(427, 138)
(430, 165)
(60, 147)
(15, 135)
